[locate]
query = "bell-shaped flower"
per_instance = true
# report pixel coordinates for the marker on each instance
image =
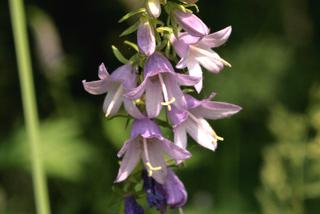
(196, 52)
(153, 8)
(192, 121)
(131, 206)
(115, 85)
(191, 23)
(172, 193)
(146, 37)
(161, 85)
(147, 143)
(156, 195)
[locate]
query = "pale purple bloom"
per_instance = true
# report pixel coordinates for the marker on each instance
(147, 143)
(146, 38)
(161, 85)
(172, 193)
(115, 85)
(191, 23)
(196, 51)
(131, 206)
(192, 121)
(153, 7)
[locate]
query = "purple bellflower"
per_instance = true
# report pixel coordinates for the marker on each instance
(172, 193)
(196, 51)
(191, 23)
(146, 38)
(192, 121)
(131, 206)
(147, 143)
(115, 85)
(161, 85)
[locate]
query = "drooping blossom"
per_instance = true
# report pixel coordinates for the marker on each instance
(147, 143)
(196, 52)
(115, 85)
(131, 206)
(192, 121)
(146, 37)
(172, 193)
(153, 8)
(156, 195)
(161, 85)
(191, 23)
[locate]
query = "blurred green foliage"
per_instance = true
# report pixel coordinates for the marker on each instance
(269, 161)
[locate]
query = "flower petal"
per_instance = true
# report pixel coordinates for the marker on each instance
(137, 92)
(153, 98)
(187, 80)
(175, 152)
(129, 161)
(156, 64)
(156, 160)
(196, 71)
(132, 109)
(96, 87)
(180, 136)
(145, 128)
(215, 110)
(200, 135)
(208, 59)
(191, 23)
(176, 192)
(216, 39)
(113, 101)
(103, 73)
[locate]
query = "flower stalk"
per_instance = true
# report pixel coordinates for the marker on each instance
(29, 105)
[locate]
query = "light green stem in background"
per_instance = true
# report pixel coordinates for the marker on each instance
(29, 104)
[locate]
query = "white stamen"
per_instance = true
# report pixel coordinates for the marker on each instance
(165, 94)
(115, 97)
(148, 163)
(211, 132)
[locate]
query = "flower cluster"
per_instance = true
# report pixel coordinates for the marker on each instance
(148, 83)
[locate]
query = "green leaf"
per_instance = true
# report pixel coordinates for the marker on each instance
(130, 29)
(133, 13)
(131, 44)
(119, 55)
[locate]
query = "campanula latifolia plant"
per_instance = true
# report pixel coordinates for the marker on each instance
(154, 86)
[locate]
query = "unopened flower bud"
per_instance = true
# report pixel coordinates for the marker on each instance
(154, 7)
(146, 38)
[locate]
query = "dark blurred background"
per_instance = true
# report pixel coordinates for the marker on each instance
(270, 159)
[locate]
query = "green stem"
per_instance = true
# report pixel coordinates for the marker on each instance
(29, 104)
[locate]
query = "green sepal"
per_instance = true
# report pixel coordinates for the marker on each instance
(119, 55)
(131, 44)
(193, 5)
(133, 13)
(130, 29)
